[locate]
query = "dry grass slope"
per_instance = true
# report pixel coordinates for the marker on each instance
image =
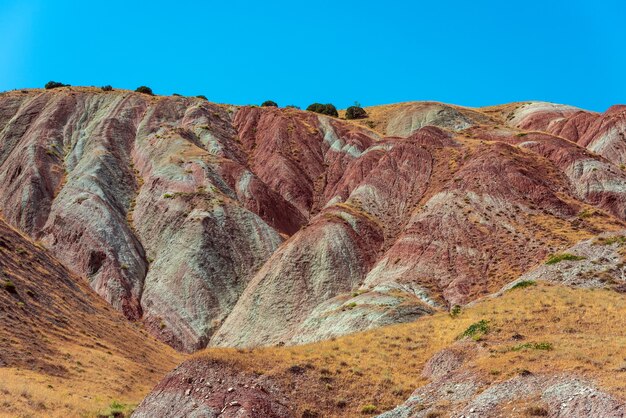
(584, 329)
(66, 352)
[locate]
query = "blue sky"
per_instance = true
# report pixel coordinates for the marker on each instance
(470, 53)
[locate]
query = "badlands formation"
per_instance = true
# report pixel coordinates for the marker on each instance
(317, 266)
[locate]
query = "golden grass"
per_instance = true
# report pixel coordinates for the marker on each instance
(383, 366)
(96, 378)
(68, 352)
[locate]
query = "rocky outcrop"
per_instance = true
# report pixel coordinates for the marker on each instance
(592, 264)
(358, 311)
(456, 391)
(210, 388)
(540, 395)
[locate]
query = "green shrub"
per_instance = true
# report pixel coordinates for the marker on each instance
(55, 84)
(557, 258)
(200, 96)
(524, 284)
(177, 95)
(533, 346)
(292, 107)
(477, 330)
(107, 88)
(587, 213)
(455, 311)
(116, 406)
(269, 103)
(9, 286)
(324, 109)
(144, 90)
(368, 409)
(117, 409)
(355, 112)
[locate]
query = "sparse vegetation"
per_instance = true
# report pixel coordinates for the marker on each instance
(269, 103)
(116, 409)
(324, 109)
(557, 258)
(106, 88)
(144, 90)
(476, 330)
(55, 85)
(356, 112)
(587, 213)
(617, 239)
(61, 345)
(364, 359)
(524, 284)
(168, 196)
(9, 286)
(368, 409)
(533, 346)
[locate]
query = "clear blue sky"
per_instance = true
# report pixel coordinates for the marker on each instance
(296, 52)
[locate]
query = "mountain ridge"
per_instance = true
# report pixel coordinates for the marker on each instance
(276, 184)
(274, 242)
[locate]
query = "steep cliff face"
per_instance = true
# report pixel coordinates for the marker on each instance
(248, 226)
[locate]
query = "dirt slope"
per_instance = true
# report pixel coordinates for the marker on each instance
(65, 351)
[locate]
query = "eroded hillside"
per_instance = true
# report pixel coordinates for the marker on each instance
(247, 226)
(246, 229)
